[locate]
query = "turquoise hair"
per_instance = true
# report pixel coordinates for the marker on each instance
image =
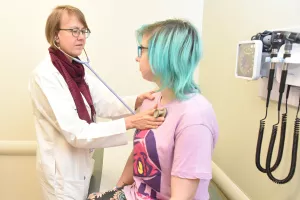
(174, 51)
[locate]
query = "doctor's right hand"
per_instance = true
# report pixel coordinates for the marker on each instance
(144, 120)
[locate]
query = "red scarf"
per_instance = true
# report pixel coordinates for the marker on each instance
(73, 74)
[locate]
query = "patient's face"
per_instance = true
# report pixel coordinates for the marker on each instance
(143, 61)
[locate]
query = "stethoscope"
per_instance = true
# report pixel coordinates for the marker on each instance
(87, 64)
(157, 113)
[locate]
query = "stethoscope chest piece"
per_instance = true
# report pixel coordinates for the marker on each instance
(160, 113)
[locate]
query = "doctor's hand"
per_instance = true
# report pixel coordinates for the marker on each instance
(142, 97)
(144, 120)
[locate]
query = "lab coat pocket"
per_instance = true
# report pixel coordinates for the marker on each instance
(71, 189)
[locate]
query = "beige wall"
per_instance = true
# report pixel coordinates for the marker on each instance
(18, 178)
(236, 101)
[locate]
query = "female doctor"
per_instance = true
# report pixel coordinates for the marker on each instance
(66, 102)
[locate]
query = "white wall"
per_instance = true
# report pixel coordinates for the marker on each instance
(111, 47)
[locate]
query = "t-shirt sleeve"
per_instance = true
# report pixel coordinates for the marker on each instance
(193, 153)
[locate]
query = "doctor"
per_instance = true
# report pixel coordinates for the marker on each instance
(66, 102)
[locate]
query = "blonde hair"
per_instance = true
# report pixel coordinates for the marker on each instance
(53, 21)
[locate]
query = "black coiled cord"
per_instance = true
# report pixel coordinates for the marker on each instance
(294, 153)
(259, 144)
(261, 132)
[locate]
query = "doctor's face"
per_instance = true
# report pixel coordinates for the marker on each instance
(143, 60)
(68, 39)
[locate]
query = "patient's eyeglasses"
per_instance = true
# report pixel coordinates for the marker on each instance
(140, 50)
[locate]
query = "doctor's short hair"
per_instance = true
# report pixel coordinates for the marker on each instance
(54, 19)
(174, 51)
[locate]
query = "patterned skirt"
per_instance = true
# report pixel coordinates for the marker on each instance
(116, 194)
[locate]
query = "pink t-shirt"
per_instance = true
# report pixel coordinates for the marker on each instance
(182, 146)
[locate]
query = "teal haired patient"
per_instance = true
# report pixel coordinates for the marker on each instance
(174, 160)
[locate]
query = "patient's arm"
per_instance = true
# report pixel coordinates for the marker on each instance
(127, 175)
(192, 161)
(189, 186)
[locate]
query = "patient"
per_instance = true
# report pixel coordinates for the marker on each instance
(174, 160)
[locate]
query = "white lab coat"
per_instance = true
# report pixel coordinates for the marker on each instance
(65, 142)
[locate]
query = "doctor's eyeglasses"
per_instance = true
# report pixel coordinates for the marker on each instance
(76, 31)
(140, 49)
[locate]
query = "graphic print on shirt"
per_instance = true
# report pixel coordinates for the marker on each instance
(146, 163)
